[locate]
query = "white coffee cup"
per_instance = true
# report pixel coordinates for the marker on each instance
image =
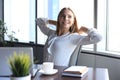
(47, 66)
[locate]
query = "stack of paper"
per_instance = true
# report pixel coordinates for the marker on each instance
(75, 71)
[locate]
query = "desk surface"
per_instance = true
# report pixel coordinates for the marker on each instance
(93, 74)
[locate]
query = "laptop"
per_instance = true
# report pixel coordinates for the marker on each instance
(5, 52)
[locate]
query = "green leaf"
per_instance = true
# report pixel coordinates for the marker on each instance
(19, 64)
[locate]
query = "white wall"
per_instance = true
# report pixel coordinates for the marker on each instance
(112, 64)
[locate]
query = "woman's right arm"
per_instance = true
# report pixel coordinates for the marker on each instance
(42, 23)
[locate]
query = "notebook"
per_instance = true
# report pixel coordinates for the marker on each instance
(5, 52)
(75, 71)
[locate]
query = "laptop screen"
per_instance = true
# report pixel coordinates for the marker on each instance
(6, 52)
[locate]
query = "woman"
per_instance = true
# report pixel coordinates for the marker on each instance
(61, 43)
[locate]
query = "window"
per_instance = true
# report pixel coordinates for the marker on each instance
(19, 16)
(113, 16)
(108, 25)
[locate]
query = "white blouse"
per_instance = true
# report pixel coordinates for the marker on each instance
(61, 47)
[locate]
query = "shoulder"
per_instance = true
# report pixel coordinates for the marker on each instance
(51, 32)
(74, 34)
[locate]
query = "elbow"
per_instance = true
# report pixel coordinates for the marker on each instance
(98, 38)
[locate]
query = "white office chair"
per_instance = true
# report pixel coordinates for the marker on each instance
(74, 56)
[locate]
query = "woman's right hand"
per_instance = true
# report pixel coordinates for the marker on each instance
(41, 21)
(44, 21)
(53, 22)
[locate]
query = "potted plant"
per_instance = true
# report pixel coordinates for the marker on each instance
(3, 30)
(20, 66)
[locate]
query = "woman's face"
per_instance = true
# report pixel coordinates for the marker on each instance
(66, 19)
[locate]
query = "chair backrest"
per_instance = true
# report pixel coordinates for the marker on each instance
(75, 55)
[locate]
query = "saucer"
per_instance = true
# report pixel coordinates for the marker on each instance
(48, 73)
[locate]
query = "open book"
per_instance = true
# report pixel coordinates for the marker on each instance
(75, 71)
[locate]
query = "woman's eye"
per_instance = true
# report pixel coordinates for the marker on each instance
(66, 16)
(62, 16)
(69, 16)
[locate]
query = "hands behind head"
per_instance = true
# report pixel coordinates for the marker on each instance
(83, 29)
(53, 22)
(41, 21)
(44, 21)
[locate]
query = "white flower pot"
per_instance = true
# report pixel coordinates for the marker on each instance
(22, 78)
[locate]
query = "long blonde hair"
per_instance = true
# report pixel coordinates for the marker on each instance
(73, 28)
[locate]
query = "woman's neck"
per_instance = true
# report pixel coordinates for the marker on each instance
(64, 31)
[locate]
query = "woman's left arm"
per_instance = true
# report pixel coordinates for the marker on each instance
(93, 36)
(83, 30)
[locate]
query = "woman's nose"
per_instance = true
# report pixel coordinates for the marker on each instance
(65, 18)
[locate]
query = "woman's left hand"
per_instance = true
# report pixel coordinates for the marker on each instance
(83, 29)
